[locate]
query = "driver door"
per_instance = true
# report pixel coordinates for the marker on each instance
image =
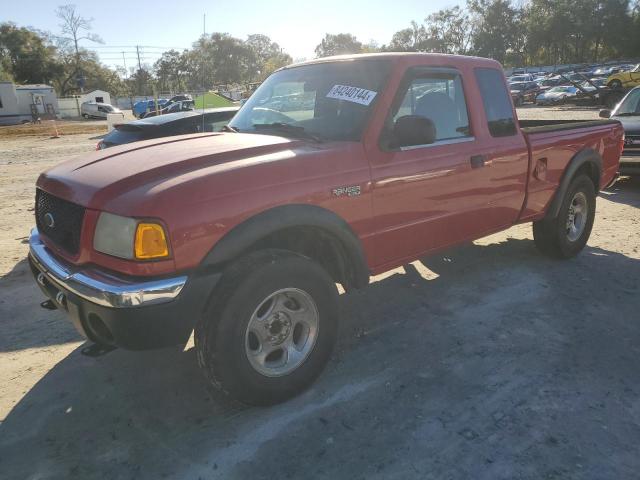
(421, 193)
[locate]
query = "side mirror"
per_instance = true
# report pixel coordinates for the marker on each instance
(411, 130)
(605, 113)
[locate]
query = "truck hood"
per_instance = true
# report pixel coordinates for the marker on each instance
(95, 179)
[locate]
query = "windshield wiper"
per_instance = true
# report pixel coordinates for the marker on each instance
(228, 128)
(628, 114)
(294, 130)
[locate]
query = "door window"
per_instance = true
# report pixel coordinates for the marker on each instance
(435, 101)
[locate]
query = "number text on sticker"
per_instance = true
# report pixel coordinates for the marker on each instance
(352, 94)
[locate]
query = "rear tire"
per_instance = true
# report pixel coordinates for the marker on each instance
(567, 234)
(615, 85)
(269, 328)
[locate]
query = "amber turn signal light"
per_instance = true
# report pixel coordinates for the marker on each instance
(150, 242)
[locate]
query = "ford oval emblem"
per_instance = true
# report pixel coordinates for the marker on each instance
(49, 221)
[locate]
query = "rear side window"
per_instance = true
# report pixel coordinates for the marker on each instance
(497, 103)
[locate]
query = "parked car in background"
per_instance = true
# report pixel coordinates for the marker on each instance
(594, 84)
(627, 112)
(522, 92)
(557, 95)
(626, 79)
(179, 98)
(550, 82)
(172, 107)
(527, 77)
(143, 106)
(98, 110)
(211, 120)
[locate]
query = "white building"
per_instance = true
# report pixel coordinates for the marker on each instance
(70, 106)
(21, 103)
(97, 96)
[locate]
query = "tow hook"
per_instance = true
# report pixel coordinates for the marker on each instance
(49, 305)
(97, 350)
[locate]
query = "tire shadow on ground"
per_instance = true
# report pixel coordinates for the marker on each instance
(625, 191)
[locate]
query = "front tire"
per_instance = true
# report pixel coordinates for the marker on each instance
(270, 327)
(567, 234)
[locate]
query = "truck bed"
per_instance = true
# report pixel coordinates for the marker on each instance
(539, 126)
(553, 143)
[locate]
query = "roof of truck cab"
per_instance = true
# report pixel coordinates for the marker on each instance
(408, 57)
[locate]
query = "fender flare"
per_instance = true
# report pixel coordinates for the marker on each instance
(241, 237)
(584, 157)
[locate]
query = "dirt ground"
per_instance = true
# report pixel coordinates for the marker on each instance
(486, 362)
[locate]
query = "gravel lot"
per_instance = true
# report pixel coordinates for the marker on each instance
(486, 362)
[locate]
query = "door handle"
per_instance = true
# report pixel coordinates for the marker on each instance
(478, 161)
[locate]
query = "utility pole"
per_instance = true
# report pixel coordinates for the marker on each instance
(139, 70)
(124, 61)
(126, 75)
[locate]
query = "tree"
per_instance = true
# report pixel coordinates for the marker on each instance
(265, 56)
(274, 63)
(95, 75)
(410, 39)
(340, 44)
(26, 56)
(496, 28)
(74, 29)
(170, 71)
(448, 31)
(217, 59)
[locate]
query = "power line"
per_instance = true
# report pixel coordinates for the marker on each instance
(141, 46)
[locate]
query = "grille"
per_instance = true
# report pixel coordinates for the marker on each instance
(67, 218)
(636, 142)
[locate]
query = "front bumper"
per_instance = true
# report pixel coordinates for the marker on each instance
(630, 163)
(122, 311)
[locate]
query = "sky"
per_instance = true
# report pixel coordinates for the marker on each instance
(297, 26)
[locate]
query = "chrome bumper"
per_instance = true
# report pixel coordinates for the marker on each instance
(100, 287)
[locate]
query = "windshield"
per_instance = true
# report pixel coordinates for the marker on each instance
(518, 87)
(330, 101)
(630, 105)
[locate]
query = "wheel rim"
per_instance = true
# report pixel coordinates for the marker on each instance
(577, 217)
(282, 332)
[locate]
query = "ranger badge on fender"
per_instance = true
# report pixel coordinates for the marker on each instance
(350, 191)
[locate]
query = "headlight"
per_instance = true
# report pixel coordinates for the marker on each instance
(129, 238)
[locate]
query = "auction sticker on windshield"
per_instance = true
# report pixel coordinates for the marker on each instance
(352, 94)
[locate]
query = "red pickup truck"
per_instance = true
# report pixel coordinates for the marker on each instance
(334, 170)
